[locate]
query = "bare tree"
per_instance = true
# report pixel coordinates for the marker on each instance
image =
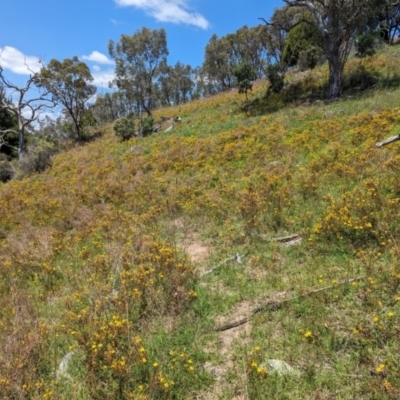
(338, 21)
(26, 111)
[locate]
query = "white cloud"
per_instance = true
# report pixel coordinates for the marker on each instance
(102, 78)
(174, 11)
(17, 62)
(98, 57)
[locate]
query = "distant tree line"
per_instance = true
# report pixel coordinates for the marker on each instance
(302, 34)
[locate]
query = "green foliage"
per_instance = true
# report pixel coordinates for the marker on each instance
(38, 157)
(7, 121)
(366, 43)
(109, 106)
(25, 111)
(6, 170)
(147, 125)
(338, 25)
(309, 58)
(244, 75)
(276, 77)
(217, 63)
(176, 84)
(223, 55)
(124, 128)
(68, 82)
(139, 60)
(303, 46)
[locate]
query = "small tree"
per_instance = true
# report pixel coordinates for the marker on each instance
(244, 75)
(24, 110)
(276, 77)
(68, 81)
(366, 43)
(124, 128)
(146, 125)
(303, 46)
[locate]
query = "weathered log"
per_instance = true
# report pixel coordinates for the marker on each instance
(157, 128)
(237, 256)
(276, 305)
(389, 140)
(169, 128)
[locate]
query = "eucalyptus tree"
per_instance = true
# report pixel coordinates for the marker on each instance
(249, 48)
(245, 75)
(338, 22)
(166, 86)
(176, 84)
(139, 61)
(223, 55)
(69, 83)
(183, 81)
(110, 106)
(218, 64)
(203, 85)
(273, 36)
(25, 105)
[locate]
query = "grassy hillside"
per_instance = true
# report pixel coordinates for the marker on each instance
(121, 264)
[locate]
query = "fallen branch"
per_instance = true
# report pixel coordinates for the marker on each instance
(284, 240)
(389, 140)
(276, 305)
(237, 256)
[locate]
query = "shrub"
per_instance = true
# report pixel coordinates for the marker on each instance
(147, 125)
(276, 77)
(38, 157)
(6, 169)
(310, 57)
(366, 44)
(124, 128)
(244, 75)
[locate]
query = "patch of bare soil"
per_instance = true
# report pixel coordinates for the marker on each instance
(230, 374)
(190, 242)
(197, 249)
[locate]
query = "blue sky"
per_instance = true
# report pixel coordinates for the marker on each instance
(46, 29)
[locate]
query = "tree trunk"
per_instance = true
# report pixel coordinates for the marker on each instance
(332, 49)
(21, 138)
(335, 79)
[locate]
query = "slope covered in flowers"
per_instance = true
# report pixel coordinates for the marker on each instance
(99, 299)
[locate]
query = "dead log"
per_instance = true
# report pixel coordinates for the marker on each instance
(276, 305)
(237, 256)
(284, 240)
(389, 140)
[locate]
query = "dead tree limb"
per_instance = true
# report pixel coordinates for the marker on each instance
(276, 305)
(26, 111)
(236, 257)
(389, 140)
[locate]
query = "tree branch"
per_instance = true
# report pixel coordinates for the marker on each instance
(388, 141)
(276, 305)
